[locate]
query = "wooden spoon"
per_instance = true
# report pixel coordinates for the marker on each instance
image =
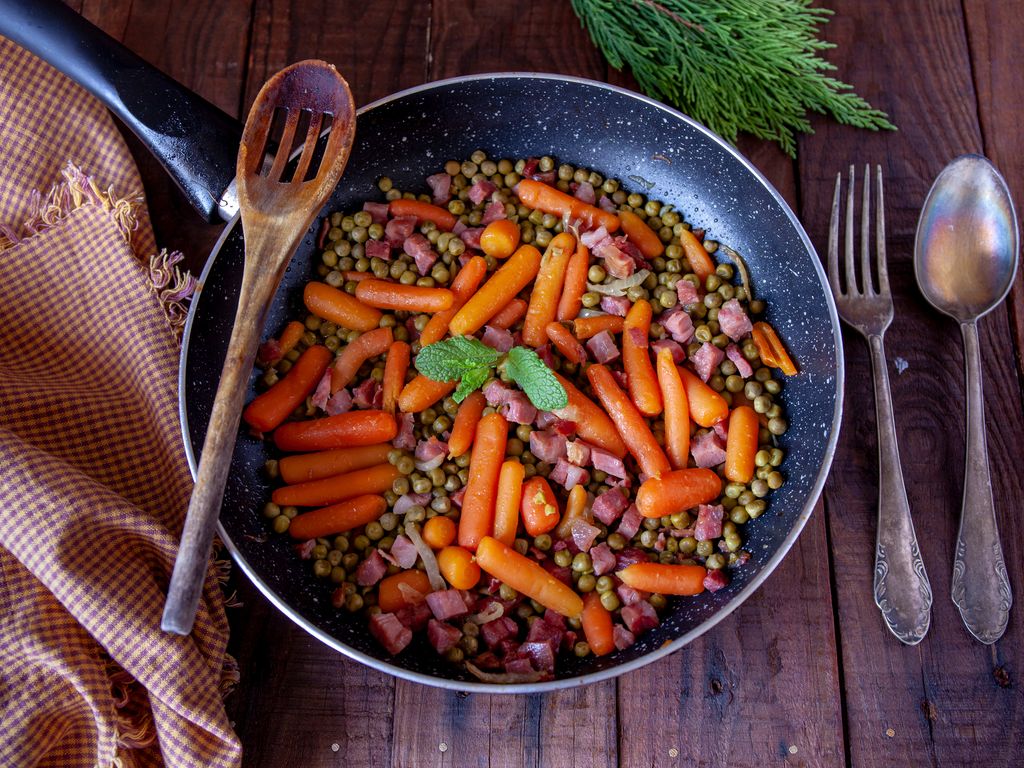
(277, 209)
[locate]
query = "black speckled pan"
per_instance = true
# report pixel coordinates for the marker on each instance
(651, 149)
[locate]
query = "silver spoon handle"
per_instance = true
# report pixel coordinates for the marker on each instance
(981, 587)
(902, 591)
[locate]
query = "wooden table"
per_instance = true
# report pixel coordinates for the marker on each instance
(805, 672)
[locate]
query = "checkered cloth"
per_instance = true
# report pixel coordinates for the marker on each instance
(93, 479)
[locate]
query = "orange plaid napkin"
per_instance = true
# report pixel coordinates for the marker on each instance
(93, 479)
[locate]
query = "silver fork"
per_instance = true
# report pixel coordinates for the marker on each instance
(902, 591)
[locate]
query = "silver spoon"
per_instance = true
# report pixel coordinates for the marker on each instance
(965, 259)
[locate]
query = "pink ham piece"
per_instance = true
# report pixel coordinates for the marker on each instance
(456, 498)
(369, 394)
(577, 452)
(480, 191)
(584, 534)
(406, 439)
(339, 402)
(707, 450)
(629, 248)
(605, 203)
(678, 324)
(430, 453)
(414, 615)
(493, 212)
(585, 193)
(379, 249)
(603, 347)
(630, 522)
(631, 556)
(305, 549)
(617, 262)
(511, 403)
(398, 229)
(595, 238)
(547, 445)
(615, 305)
(639, 617)
(709, 522)
(610, 505)
(371, 570)
(404, 551)
(502, 628)
(419, 248)
(687, 293)
(497, 338)
(623, 637)
(707, 359)
(390, 632)
(607, 462)
(378, 212)
(442, 636)
(407, 500)
(269, 352)
(530, 166)
(568, 475)
(323, 392)
(627, 594)
(743, 367)
(541, 656)
(518, 665)
(678, 353)
(603, 559)
(715, 580)
(447, 604)
(440, 188)
(733, 320)
(471, 237)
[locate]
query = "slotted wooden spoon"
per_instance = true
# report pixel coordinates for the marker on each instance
(277, 208)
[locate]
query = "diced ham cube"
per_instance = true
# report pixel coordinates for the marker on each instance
(501, 628)
(630, 556)
(630, 522)
(733, 320)
(605, 203)
(715, 580)
(602, 347)
(607, 462)
(380, 249)
(338, 403)
(497, 393)
(456, 498)
(519, 410)
(595, 238)
(610, 505)
(687, 293)
(390, 632)
(493, 212)
(547, 445)
(481, 190)
(743, 367)
(323, 391)
(305, 549)
(541, 655)
(406, 438)
(577, 452)
(440, 188)
(471, 237)
(497, 338)
(615, 305)
(371, 570)
(442, 636)
(603, 559)
(707, 359)
(709, 522)
(378, 212)
(639, 617)
(708, 450)
(628, 595)
(629, 248)
(568, 475)
(518, 665)
(617, 262)
(431, 453)
(678, 324)
(414, 615)
(447, 604)
(678, 353)
(404, 551)
(585, 193)
(269, 352)
(423, 254)
(398, 229)
(584, 534)
(623, 637)
(369, 394)
(407, 500)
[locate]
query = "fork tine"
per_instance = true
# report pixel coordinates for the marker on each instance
(865, 235)
(883, 270)
(851, 277)
(833, 238)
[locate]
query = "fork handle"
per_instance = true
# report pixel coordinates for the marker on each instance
(981, 587)
(902, 591)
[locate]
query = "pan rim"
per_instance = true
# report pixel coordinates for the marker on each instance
(767, 568)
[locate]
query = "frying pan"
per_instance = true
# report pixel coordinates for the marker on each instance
(652, 149)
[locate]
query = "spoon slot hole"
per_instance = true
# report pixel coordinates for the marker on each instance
(320, 146)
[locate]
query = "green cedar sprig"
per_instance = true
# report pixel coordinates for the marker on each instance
(734, 65)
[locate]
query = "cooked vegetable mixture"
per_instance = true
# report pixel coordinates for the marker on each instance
(523, 410)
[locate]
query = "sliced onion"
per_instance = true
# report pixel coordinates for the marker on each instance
(741, 267)
(410, 594)
(427, 555)
(620, 286)
(493, 611)
(429, 464)
(503, 677)
(591, 312)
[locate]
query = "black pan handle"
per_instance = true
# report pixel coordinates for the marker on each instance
(196, 142)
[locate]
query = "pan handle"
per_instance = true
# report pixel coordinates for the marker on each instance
(196, 142)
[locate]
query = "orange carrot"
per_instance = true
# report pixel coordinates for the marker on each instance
(390, 294)
(770, 348)
(543, 197)
(514, 275)
(642, 236)
(566, 343)
(586, 327)
(665, 579)
(391, 597)
(636, 360)
(700, 261)
(314, 466)
(275, 405)
(678, 490)
(547, 289)
(423, 212)
(439, 532)
(592, 423)
(628, 421)
(463, 286)
(706, 405)
(329, 490)
(339, 307)
(458, 567)
(337, 518)
(677, 411)
(285, 343)
(341, 431)
(575, 284)
(506, 508)
(509, 315)
(597, 625)
(466, 419)
(355, 353)
(527, 577)
(575, 509)
(500, 238)
(356, 276)
(421, 393)
(741, 444)
(395, 368)
(539, 506)
(477, 519)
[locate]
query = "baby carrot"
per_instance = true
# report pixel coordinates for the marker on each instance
(423, 212)
(665, 579)
(458, 567)
(303, 467)
(330, 490)
(514, 275)
(439, 532)
(464, 428)
(391, 597)
(341, 431)
(566, 343)
(677, 411)
(706, 405)
(527, 577)
(477, 517)
(275, 405)
(629, 422)
(284, 343)
(500, 238)
(395, 368)
(369, 344)
(421, 393)
(636, 360)
(339, 307)
(585, 327)
(741, 444)
(547, 289)
(463, 286)
(389, 294)
(539, 506)
(543, 197)
(506, 508)
(676, 491)
(597, 625)
(575, 509)
(509, 315)
(770, 348)
(642, 236)
(700, 262)
(337, 518)
(575, 285)
(592, 423)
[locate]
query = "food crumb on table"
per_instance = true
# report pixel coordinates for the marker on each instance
(442, 747)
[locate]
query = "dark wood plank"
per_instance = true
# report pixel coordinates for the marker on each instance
(913, 705)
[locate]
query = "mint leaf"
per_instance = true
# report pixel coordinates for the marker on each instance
(472, 380)
(453, 358)
(535, 379)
